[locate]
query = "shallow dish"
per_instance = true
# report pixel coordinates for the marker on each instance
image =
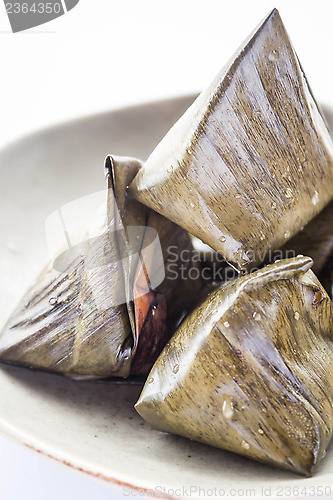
(92, 426)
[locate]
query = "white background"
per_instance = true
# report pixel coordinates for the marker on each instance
(105, 54)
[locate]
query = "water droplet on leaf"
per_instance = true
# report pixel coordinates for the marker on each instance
(315, 198)
(227, 407)
(256, 316)
(288, 193)
(72, 275)
(273, 55)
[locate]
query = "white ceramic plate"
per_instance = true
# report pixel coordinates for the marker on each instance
(93, 426)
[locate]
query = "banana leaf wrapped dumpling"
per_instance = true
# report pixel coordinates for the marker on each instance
(100, 308)
(251, 161)
(250, 370)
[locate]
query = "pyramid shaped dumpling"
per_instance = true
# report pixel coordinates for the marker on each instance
(250, 370)
(251, 161)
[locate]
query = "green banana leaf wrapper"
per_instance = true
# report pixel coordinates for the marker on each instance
(251, 161)
(250, 370)
(94, 312)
